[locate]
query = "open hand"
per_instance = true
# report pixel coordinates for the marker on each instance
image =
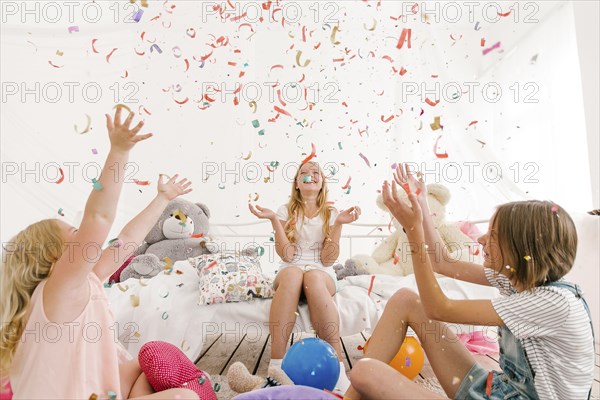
(404, 177)
(121, 136)
(173, 189)
(410, 217)
(262, 213)
(348, 216)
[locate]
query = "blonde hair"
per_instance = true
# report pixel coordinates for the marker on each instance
(296, 204)
(537, 240)
(28, 259)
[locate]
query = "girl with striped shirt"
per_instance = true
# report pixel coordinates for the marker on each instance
(544, 326)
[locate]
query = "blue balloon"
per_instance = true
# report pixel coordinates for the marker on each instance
(312, 362)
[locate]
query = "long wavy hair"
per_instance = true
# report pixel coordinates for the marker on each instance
(537, 240)
(296, 204)
(28, 259)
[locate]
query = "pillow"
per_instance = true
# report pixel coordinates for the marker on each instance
(227, 278)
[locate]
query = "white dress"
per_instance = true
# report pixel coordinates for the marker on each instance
(309, 239)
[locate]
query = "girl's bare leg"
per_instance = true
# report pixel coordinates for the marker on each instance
(282, 316)
(319, 289)
(449, 358)
(374, 379)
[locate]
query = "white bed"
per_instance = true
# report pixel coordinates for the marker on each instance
(168, 308)
(168, 304)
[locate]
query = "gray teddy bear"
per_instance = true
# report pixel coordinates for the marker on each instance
(180, 233)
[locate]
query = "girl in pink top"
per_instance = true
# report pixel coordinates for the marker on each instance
(58, 338)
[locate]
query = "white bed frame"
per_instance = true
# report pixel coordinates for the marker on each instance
(367, 235)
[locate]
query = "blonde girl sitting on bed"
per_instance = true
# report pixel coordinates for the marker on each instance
(545, 332)
(58, 338)
(307, 235)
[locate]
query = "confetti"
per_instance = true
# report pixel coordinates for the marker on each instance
(73, 29)
(494, 47)
(217, 387)
(431, 103)
(477, 27)
(141, 183)
(94, 46)
(246, 158)
(282, 111)
(197, 235)
(111, 395)
(333, 33)
(307, 179)
(388, 119)
(298, 55)
(54, 65)
(116, 242)
(436, 124)
(253, 105)
(371, 285)
(365, 159)
(202, 379)
(138, 15)
(527, 258)
(135, 300)
(488, 384)
(110, 55)
(60, 212)
(87, 128)
(97, 185)
(312, 155)
(121, 288)
(554, 208)
(165, 315)
(405, 36)
(158, 49)
(62, 176)
(255, 123)
(435, 146)
(191, 32)
(122, 106)
(372, 28)
(93, 396)
(473, 123)
(143, 283)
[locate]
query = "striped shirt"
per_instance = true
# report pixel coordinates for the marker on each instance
(555, 332)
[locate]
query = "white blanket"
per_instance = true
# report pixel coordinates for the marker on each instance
(168, 308)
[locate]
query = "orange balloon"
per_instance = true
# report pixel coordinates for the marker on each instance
(409, 359)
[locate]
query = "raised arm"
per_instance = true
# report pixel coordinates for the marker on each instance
(436, 248)
(133, 234)
(435, 303)
(77, 260)
(283, 247)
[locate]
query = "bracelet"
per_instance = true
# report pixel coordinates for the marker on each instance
(328, 239)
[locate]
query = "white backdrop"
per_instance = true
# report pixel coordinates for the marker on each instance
(58, 67)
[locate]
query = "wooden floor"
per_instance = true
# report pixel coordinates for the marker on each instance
(222, 350)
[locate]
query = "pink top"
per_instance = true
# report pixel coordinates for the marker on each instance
(70, 360)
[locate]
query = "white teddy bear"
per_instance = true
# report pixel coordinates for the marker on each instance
(392, 257)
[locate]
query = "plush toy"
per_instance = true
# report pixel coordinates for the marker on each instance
(180, 233)
(242, 381)
(391, 257)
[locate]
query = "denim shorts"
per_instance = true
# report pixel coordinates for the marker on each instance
(474, 385)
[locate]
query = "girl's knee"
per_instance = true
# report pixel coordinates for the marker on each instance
(289, 278)
(314, 281)
(362, 374)
(405, 298)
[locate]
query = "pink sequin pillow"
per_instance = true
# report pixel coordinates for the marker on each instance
(167, 367)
